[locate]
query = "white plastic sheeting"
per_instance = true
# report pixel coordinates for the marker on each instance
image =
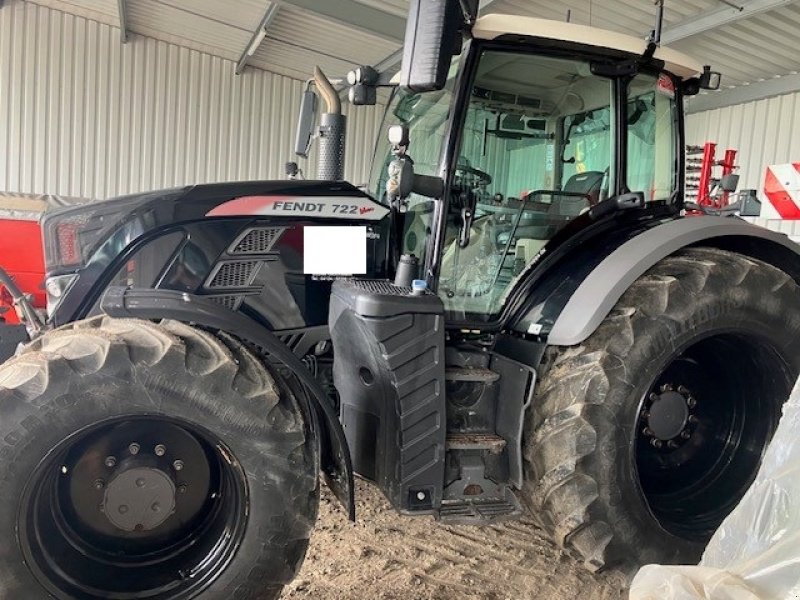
(755, 554)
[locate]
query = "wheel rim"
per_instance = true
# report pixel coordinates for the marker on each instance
(141, 507)
(703, 427)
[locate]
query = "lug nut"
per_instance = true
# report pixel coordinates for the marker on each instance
(667, 387)
(181, 489)
(178, 465)
(134, 448)
(682, 390)
(685, 434)
(656, 443)
(647, 431)
(160, 450)
(645, 414)
(692, 419)
(111, 462)
(140, 482)
(653, 397)
(672, 444)
(99, 484)
(691, 402)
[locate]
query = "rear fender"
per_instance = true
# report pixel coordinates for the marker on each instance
(168, 304)
(577, 306)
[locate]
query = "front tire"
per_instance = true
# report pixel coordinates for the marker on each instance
(150, 461)
(643, 438)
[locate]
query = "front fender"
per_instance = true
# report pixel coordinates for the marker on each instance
(571, 315)
(145, 303)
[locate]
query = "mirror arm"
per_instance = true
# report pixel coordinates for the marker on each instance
(428, 185)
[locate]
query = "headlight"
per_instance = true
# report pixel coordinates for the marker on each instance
(56, 287)
(72, 235)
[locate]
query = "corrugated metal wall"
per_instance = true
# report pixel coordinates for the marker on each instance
(765, 132)
(83, 115)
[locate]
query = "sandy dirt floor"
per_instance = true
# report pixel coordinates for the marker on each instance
(386, 556)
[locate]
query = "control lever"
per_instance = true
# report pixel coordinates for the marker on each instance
(467, 216)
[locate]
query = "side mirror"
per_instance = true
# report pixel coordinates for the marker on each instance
(433, 36)
(710, 80)
(305, 123)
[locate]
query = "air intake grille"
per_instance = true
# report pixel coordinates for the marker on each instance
(234, 274)
(379, 286)
(256, 241)
(231, 302)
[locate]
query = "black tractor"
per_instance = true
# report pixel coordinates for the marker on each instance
(515, 315)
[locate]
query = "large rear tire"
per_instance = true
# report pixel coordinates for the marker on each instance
(643, 438)
(150, 461)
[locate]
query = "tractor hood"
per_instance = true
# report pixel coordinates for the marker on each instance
(73, 236)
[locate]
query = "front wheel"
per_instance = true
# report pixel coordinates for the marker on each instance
(647, 435)
(150, 461)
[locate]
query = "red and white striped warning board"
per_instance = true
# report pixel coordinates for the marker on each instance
(782, 189)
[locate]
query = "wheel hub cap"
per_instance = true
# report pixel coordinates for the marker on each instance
(139, 499)
(668, 416)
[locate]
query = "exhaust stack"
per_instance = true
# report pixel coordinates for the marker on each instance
(331, 131)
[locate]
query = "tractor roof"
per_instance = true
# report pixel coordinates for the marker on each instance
(493, 26)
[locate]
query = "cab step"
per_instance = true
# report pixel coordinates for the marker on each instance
(473, 374)
(480, 511)
(476, 441)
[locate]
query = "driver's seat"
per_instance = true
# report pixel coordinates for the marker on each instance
(589, 183)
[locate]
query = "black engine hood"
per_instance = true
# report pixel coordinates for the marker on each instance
(298, 199)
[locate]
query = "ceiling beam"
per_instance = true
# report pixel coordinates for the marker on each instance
(745, 93)
(724, 15)
(357, 15)
(123, 21)
(258, 36)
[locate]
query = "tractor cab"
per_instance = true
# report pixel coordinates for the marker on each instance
(537, 128)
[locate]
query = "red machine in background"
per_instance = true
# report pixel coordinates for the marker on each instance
(21, 252)
(710, 190)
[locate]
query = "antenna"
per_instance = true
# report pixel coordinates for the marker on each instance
(655, 37)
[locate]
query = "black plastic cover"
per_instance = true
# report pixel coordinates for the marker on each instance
(389, 372)
(433, 34)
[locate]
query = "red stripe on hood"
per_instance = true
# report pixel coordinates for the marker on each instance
(245, 205)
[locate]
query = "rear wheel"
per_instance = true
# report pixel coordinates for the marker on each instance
(150, 461)
(647, 435)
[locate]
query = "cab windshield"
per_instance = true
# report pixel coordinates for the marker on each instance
(537, 150)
